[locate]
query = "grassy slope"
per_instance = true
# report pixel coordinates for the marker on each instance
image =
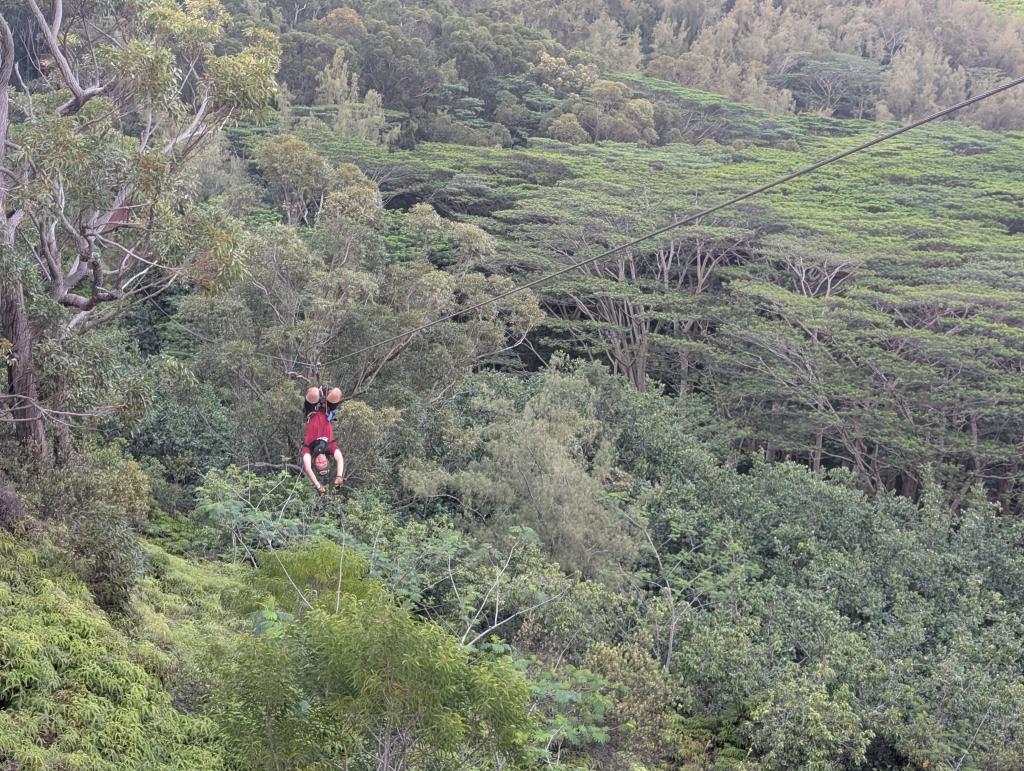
(1015, 7)
(77, 691)
(940, 206)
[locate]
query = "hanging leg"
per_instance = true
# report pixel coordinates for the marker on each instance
(333, 400)
(312, 402)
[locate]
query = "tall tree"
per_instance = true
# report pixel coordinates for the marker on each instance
(93, 142)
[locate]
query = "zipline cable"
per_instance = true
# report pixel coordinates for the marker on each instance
(685, 220)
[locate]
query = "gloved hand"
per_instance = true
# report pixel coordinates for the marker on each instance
(337, 482)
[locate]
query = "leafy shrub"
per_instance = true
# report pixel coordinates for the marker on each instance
(567, 128)
(109, 494)
(187, 429)
(358, 681)
(572, 709)
(77, 694)
(109, 559)
(11, 511)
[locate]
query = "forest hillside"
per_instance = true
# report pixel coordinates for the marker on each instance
(744, 496)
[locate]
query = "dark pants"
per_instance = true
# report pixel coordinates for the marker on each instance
(321, 406)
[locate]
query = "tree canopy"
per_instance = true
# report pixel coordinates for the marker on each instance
(744, 496)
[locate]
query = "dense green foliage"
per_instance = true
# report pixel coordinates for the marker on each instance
(358, 680)
(772, 611)
(1012, 7)
(831, 321)
(743, 497)
(76, 692)
(487, 71)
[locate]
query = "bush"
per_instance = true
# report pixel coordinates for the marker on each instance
(109, 494)
(357, 681)
(10, 508)
(109, 560)
(77, 694)
(567, 128)
(445, 128)
(187, 429)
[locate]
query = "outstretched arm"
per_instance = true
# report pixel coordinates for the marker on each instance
(307, 466)
(339, 462)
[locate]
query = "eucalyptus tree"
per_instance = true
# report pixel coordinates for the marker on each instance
(101, 109)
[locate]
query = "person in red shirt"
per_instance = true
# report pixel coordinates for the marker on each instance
(319, 442)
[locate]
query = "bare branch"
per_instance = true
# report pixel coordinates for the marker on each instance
(535, 606)
(50, 32)
(497, 580)
(195, 129)
(99, 412)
